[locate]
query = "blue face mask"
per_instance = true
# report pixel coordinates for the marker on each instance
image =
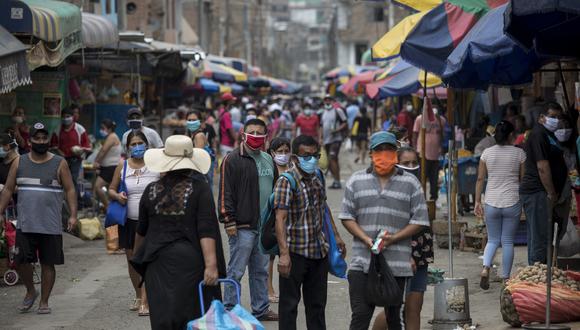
(3, 152)
(308, 166)
(138, 151)
(193, 125)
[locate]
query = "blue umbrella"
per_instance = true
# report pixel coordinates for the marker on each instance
(552, 27)
(487, 56)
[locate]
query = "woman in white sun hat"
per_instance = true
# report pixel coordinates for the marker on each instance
(178, 240)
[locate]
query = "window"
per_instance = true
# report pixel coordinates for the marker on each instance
(378, 14)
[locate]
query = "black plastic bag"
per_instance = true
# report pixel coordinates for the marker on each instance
(382, 287)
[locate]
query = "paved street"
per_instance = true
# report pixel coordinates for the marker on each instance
(93, 291)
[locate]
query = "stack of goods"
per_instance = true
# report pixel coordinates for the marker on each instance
(523, 300)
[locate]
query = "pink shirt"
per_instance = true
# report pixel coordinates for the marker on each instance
(225, 126)
(433, 134)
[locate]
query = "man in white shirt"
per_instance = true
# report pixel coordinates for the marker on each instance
(135, 122)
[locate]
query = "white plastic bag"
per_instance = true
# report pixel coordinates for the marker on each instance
(570, 243)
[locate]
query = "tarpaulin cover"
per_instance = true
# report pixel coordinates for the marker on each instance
(552, 27)
(487, 56)
(13, 67)
(98, 31)
(441, 30)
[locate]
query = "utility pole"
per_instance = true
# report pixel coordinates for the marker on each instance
(225, 48)
(200, 29)
(247, 34)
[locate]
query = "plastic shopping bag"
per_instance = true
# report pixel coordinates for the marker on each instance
(218, 318)
(336, 264)
(570, 243)
(382, 287)
(323, 162)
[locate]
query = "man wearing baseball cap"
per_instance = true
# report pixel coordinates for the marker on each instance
(135, 122)
(382, 197)
(44, 180)
(227, 131)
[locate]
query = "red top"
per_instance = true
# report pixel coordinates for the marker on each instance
(225, 126)
(405, 119)
(308, 125)
(76, 135)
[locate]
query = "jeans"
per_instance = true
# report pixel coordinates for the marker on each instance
(74, 164)
(362, 311)
(536, 208)
(432, 174)
(244, 252)
(311, 275)
(502, 224)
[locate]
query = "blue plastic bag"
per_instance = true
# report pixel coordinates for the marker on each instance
(336, 264)
(218, 318)
(117, 212)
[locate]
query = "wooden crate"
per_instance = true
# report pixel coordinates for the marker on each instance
(474, 242)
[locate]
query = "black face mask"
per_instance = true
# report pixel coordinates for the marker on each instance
(40, 148)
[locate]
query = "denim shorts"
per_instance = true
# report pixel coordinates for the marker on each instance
(418, 283)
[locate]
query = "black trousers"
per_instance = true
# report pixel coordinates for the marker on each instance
(432, 173)
(362, 310)
(311, 276)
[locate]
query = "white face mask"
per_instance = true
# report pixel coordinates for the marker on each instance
(563, 134)
(435, 111)
(328, 106)
(282, 159)
(409, 107)
(551, 124)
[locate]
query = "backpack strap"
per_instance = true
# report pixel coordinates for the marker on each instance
(290, 179)
(320, 177)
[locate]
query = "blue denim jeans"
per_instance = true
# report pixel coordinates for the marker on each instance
(244, 252)
(502, 224)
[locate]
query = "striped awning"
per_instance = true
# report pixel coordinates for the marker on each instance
(98, 31)
(47, 20)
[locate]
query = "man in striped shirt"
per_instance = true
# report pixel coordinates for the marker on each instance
(381, 198)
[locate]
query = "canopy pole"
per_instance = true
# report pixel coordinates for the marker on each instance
(423, 140)
(563, 82)
(375, 105)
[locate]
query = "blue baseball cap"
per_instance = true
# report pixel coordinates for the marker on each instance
(383, 137)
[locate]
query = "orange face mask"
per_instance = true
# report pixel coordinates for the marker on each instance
(384, 161)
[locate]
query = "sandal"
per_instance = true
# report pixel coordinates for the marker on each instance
(484, 282)
(274, 299)
(143, 310)
(27, 303)
(135, 306)
(44, 310)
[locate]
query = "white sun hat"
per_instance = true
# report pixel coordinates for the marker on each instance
(178, 154)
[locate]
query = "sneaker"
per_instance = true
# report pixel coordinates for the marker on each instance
(269, 316)
(335, 185)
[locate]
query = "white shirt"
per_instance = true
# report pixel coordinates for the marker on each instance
(503, 175)
(136, 181)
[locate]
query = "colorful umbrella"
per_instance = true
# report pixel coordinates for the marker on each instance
(348, 71)
(202, 86)
(220, 72)
(351, 87)
(418, 5)
(552, 27)
(402, 79)
(389, 45)
(441, 30)
(487, 56)
(291, 87)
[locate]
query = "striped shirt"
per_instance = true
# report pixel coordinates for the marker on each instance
(503, 175)
(305, 207)
(399, 204)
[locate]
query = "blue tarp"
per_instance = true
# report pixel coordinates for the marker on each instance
(487, 56)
